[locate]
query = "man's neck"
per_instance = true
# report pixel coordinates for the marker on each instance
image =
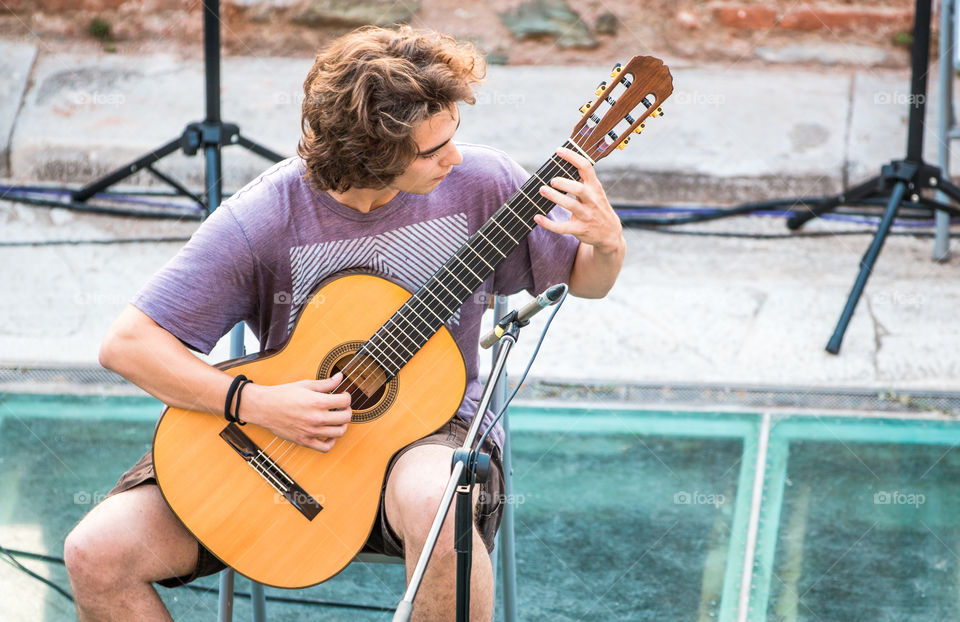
(364, 200)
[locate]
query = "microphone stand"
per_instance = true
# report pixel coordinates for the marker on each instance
(470, 466)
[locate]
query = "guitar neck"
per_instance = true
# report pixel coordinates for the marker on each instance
(448, 288)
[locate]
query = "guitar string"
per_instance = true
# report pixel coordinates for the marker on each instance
(456, 269)
(546, 170)
(561, 165)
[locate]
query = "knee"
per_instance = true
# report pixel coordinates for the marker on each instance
(91, 560)
(418, 513)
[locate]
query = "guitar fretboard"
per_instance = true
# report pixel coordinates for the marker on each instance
(452, 284)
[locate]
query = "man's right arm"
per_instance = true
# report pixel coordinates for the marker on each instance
(152, 358)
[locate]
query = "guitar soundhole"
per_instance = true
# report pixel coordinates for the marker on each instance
(371, 392)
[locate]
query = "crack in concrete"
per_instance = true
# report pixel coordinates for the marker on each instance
(879, 332)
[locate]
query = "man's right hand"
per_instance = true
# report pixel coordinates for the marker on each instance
(304, 412)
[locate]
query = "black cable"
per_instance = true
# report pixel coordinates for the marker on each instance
(159, 240)
(103, 210)
(783, 236)
(295, 601)
(523, 376)
(12, 560)
(703, 213)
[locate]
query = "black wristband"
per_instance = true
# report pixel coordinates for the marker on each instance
(227, 407)
(236, 409)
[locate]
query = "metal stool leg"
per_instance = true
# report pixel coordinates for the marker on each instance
(258, 602)
(225, 605)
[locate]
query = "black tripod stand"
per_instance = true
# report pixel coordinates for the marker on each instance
(899, 181)
(209, 135)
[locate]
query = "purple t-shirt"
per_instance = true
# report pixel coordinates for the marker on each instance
(257, 258)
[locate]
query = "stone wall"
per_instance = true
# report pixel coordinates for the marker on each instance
(873, 32)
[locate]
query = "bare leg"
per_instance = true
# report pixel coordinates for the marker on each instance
(413, 495)
(126, 542)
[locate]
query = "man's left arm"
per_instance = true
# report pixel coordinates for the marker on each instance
(593, 222)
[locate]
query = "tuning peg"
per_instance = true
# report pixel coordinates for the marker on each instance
(622, 145)
(601, 88)
(616, 70)
(584, 108)
(657, 113)
(640, 128)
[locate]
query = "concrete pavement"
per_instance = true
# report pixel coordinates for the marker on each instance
(687, 308)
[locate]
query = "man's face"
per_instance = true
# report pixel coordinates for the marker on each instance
(437, 153)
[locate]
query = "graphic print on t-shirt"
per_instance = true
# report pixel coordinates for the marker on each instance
(408, 254)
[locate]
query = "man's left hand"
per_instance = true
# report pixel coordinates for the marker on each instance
(592, 219)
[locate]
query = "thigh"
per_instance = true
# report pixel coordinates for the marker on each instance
(135, 531)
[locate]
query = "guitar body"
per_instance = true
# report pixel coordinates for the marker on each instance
(233, 508)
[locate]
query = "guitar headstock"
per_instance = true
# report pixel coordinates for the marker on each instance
(636, 92)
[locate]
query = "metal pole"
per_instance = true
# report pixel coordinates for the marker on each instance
(866, 266)
(405, 607)
(941, 240)
(918, 80)
(508, 556)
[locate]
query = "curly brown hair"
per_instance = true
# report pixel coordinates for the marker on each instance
(365, 95)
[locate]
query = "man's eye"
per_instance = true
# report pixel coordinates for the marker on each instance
(431, 156)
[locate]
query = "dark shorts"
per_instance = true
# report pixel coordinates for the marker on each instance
(381, 539)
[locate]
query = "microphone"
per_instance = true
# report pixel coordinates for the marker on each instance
(548, 298)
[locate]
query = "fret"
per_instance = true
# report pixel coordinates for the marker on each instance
(539, 209)
(494, 246)
(438, 299)
(384, 354)
(450, 272)
(477, 253)
(391, 357)
(464, 263)
(398, 338)
(410, 323)
(488, 252)
(515, 231)
(517, 216)
(512, 239)
(445, 287)
(376, 360)
(381, 364)
(423, 322)
(425, 306)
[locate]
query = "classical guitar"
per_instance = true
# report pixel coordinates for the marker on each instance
(289, 516)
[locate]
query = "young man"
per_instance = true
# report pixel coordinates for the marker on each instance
(379, 185)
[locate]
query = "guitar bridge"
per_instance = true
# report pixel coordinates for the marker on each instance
(270, 471)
